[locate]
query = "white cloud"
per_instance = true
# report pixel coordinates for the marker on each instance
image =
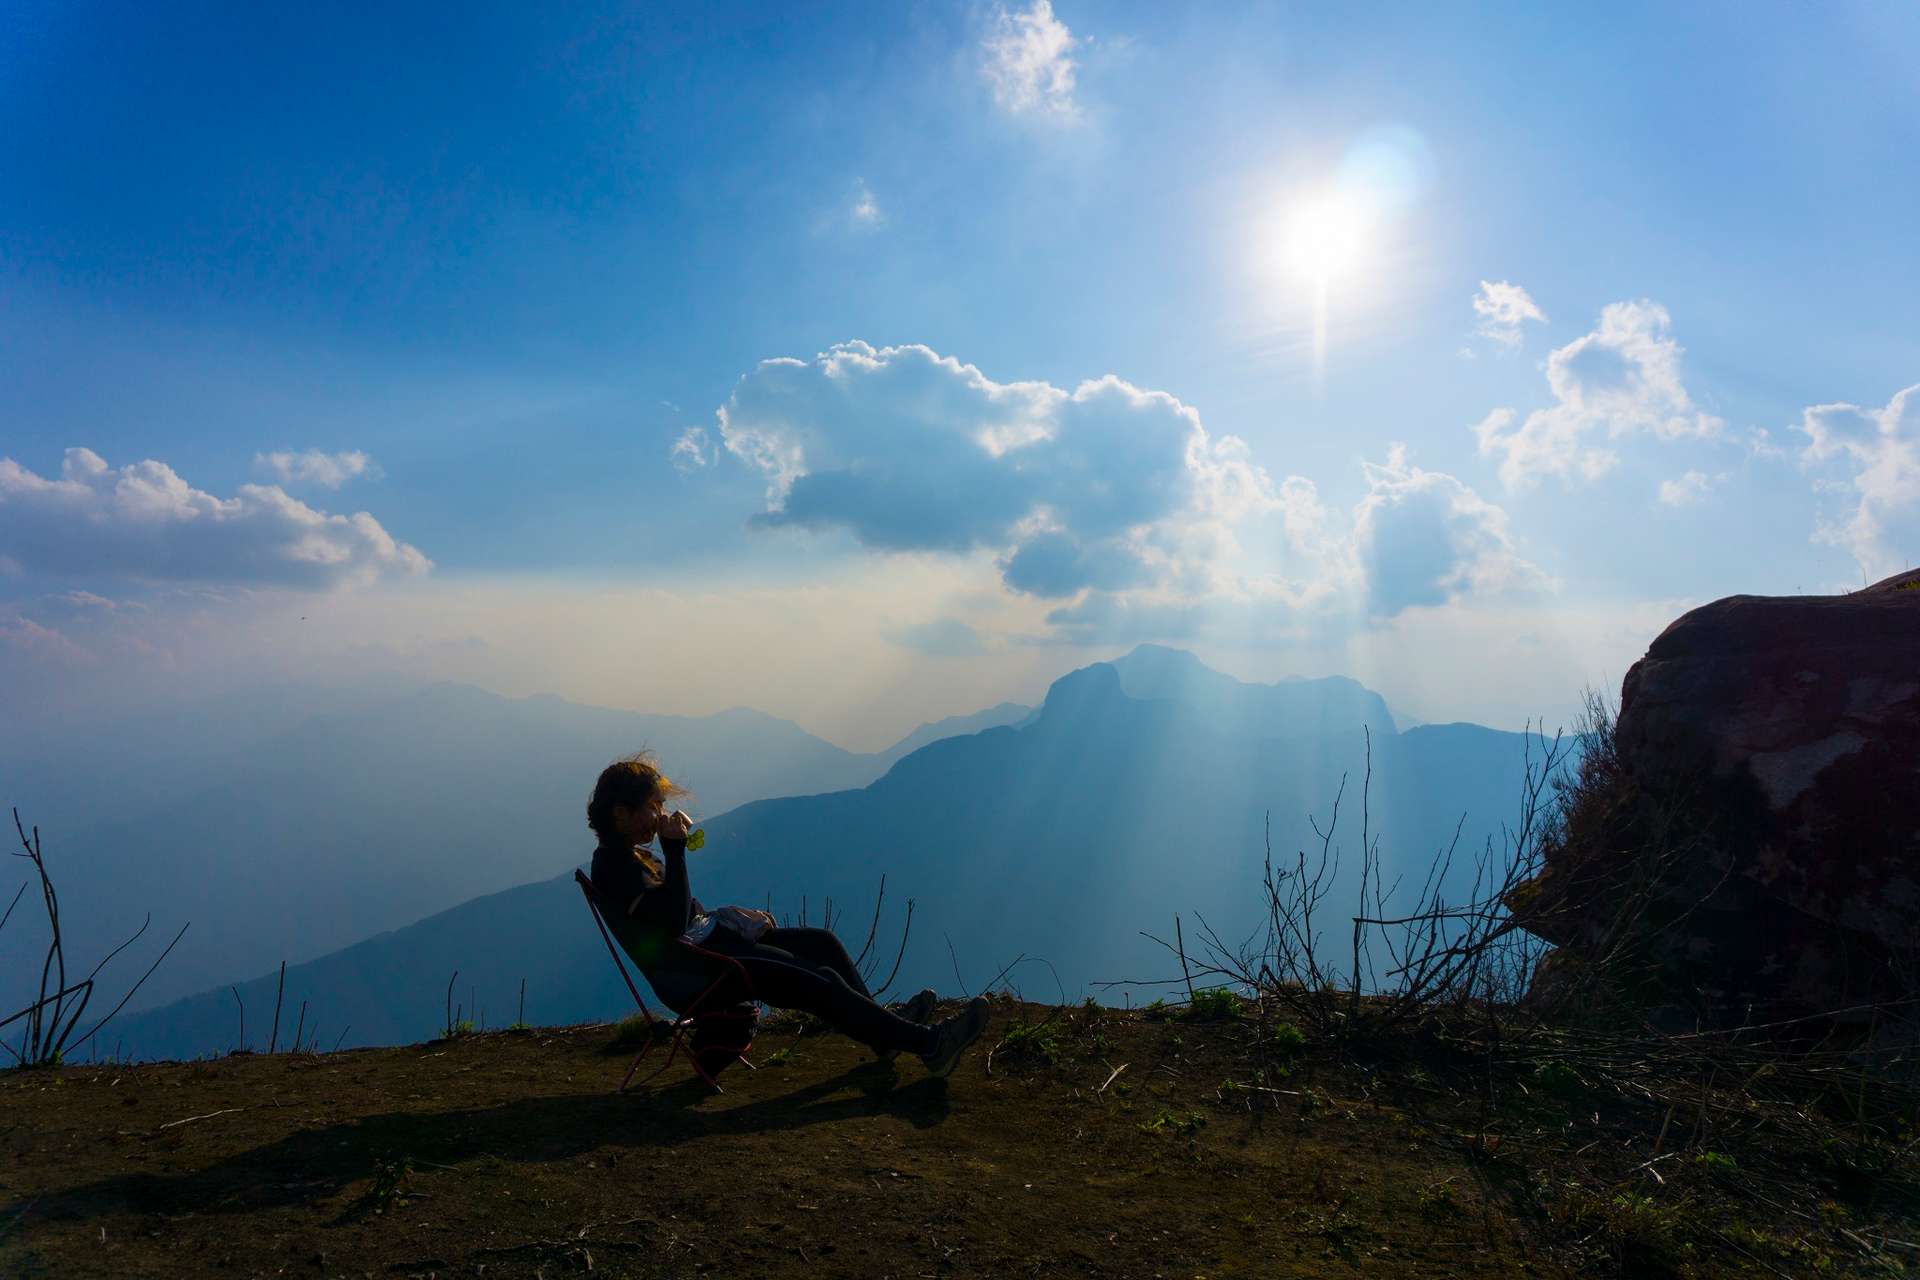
(1107, 486)
(325, 470)
(143, 521)
(1503, 309)
(83, 600)
(1882, 448)
(692, 450)
(1759, 445)
(1424, 538)
(1621, 378)
(1304, 517)
(865, 211)
(1689, 489)
(1029, 63)
(1110, 499)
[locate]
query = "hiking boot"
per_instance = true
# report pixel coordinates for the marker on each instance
(918, 1009)
(951, 1038)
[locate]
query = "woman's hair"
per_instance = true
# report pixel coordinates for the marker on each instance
(631, 781)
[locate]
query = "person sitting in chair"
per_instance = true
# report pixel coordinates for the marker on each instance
(789, 968)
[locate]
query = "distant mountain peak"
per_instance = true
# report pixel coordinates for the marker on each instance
(1161, 673)
(1003, 713)
(1097, 682)
(1146, 650)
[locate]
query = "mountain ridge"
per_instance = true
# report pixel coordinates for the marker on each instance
(1012, 839)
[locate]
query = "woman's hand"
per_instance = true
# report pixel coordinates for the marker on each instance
(675, 825)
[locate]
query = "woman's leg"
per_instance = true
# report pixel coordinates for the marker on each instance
(784, 980)
(818, 947)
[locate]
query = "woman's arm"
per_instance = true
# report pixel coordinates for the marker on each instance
(675, 896)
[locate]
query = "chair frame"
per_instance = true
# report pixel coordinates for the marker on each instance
(683, 1021)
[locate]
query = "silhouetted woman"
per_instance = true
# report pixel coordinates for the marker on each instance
(806, 969)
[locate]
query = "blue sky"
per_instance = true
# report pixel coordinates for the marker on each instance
(408, 313)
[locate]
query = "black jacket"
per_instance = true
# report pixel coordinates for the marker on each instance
(657, 909)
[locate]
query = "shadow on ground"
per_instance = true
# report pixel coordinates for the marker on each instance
(315, 1164)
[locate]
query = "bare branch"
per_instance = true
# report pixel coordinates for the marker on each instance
(905, 930)
(16, 902)
(136, 986)
(958, 980)
(874, 928)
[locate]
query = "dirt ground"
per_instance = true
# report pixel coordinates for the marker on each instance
(1113, 1144)
(520, 1159)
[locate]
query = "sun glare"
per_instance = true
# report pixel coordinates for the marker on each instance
(1327, 237)
(1332, 243)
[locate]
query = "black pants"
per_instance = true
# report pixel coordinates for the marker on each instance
(808, 969)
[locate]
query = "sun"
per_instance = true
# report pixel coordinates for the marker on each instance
(1333, 243)
(1327, 235)
(1328, 239)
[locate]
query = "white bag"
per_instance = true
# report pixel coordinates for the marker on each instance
(748, 922)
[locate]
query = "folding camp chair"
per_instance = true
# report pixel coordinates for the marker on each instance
(692, 1016)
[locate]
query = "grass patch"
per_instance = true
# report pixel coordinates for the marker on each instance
(1035, 1042)
(631, 1032)
(392, 1178)
(1716, 1162)
(1213, 1004)
(1183, 1123)
(1284, 1044)
(1438, 1200)
(1642, 1236)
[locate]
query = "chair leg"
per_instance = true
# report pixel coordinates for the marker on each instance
(678, 1045)
(644, 1051)
(682, 1024)
(702, 1072)
(673, 1047)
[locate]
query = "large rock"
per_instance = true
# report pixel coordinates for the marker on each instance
(1771, 747)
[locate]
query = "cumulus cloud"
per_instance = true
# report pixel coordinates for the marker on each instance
(1106, 486)
(323, 470)
(1621, 378)
(143, 521)
(1503, 309)
(1111, 502)
(1424, 538)
(1882, 449)
(1415, 539)
(1029, 63)
(1689, 489)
